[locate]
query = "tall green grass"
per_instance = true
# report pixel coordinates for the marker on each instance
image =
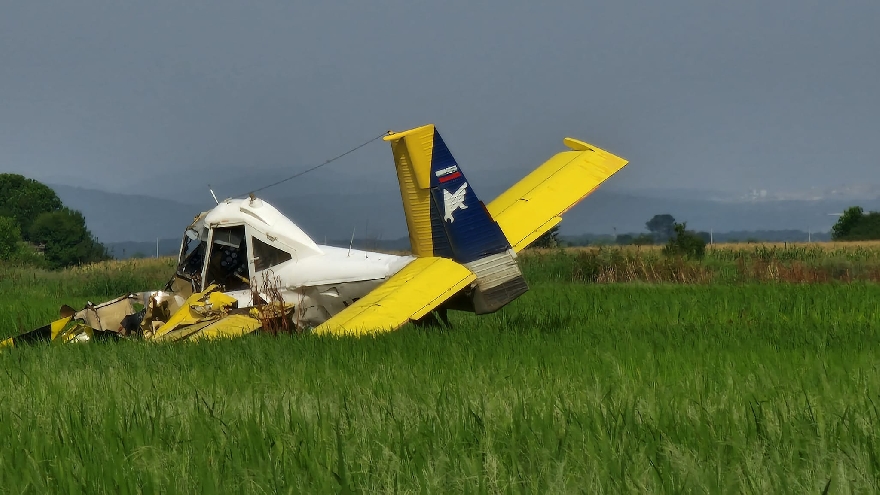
(573, 388)
(31, 297)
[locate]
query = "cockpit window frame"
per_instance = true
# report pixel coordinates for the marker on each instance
(207, 237)
(209, 250)
(271, 241)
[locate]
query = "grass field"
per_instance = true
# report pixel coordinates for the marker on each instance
(728, 383)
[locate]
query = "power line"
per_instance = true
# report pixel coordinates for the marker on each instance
(316, 167)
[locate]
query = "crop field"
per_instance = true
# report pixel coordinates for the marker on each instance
(754, 370)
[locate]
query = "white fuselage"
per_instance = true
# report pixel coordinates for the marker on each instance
(322, 285)
(270, 254)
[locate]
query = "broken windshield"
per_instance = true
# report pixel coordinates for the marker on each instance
(228, 264)
(192, 256)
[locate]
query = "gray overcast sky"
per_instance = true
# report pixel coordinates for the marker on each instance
(715, 95)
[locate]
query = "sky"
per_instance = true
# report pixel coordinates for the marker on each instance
(724, 96)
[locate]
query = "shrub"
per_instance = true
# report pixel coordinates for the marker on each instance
(685, 243)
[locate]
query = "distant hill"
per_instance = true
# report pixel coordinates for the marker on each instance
(606, 213)
(376, 213)
(115, 217)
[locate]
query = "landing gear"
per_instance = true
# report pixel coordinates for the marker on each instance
(436, 318)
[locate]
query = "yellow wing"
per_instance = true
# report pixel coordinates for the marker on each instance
(408, 295)
(536, 203)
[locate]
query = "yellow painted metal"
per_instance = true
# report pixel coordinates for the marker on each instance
(69, 330)
(228, 327)
(193, 310)
(61, 330)
(57, 326)
(220, 300)
(182, 332)
(536, 203)
(420, 148)
(183, 316)
(412, 152)
(410, 294)
(205, 315)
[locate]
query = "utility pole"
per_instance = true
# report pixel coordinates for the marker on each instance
(157, 247)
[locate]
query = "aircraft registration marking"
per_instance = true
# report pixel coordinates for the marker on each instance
(446, 171)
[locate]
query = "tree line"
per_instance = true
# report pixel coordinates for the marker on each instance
(856, 225)
(37, 229)
(664, 229)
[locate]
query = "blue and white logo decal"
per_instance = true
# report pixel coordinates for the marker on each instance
(454, 201)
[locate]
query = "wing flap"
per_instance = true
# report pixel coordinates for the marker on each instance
(535, 204)
(410, 294)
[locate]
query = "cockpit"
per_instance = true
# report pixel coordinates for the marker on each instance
(228, 256)
(227, 263)
(223, 262)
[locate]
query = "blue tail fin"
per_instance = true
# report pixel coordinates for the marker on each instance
(457, 211)
(446, 218)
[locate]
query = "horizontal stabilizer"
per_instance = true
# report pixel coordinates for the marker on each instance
(536, 203)
(410, 294)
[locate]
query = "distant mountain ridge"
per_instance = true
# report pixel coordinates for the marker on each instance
(116, 217)
(376, 213)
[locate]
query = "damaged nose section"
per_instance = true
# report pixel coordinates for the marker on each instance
(165, 317)
(211, 314)
(106, 321)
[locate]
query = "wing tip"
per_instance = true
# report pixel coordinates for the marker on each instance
(576, 144)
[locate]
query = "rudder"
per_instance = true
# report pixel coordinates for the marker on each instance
(445, 218)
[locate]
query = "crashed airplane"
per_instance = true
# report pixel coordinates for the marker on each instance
(245, 267)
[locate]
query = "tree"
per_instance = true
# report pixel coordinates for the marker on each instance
(856, 225)
(868, 228)
(685, 243)
(68, 242)
(662, 226)
(548, 240)
(25, 199)
(846, 223)
(10, 236)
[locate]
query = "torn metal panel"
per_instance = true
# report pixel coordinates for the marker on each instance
(194, 310)
(212, 314)
(108, 316)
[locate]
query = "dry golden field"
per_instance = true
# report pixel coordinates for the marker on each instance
(827, 246)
